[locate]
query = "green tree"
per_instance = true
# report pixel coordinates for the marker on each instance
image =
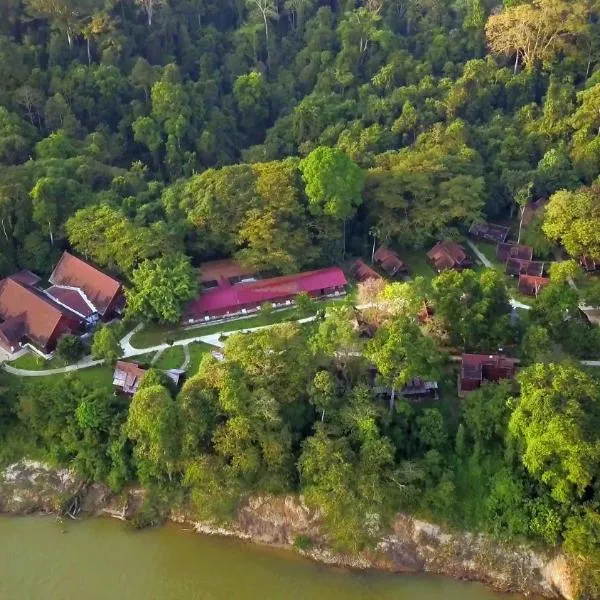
(160, 289)
(555, 427)
(70, 348)
(153, 426)
(105, 343)
(333, 184)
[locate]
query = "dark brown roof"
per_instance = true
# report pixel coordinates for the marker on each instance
(488, 231)
(12, 331)
(390, 262)
(448, 255)
(531, 285)
(532, 210)
(222, 271)
(589, 264)
(506, 251)
(128, 376)
(361, 271)
(473, 365)
(27, 277)
(38, 314)
(515, 266)
(99, 288)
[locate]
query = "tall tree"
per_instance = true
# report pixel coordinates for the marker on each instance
(334, 184)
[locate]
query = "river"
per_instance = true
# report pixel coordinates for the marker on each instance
(101, 559)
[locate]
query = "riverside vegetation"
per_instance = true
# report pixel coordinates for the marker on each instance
(150, 135)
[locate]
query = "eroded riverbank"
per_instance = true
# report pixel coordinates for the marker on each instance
(412, 546)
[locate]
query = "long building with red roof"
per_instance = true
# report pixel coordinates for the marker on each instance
(247, 296)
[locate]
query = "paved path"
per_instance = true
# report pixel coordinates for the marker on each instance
(82, 364)
(186, 362)
(157, 356)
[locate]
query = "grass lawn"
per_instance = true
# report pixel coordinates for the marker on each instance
(97, 377)
(417, 264)
(197, 351)
(488, 249)
(172, 358)
(153, 334)
(34, 362)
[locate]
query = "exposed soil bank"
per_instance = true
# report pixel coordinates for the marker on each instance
(412, 546)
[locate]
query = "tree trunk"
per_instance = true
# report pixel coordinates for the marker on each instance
(516, 63)
(521, 224)
(69, 38)
(51, 234)
(323, 416)
(89, 55)
(4, 229)
(392, 398)
(373, 250)
(267, 37)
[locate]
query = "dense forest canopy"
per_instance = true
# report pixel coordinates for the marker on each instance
(180, 125)
(151, 135)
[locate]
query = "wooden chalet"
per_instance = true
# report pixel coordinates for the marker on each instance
(477, 368)
(530, 285)
(517, 267)
(128, 376)
(589, 264)
(389, 261)
(363, 272)
(447, 255)
(506, 251)
(489, 232)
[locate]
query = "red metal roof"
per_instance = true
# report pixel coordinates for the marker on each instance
(256, 292)
(100, 288)
(39, 314)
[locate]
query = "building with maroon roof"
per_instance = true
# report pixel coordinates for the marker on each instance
(27, 315)
(505, 252)
(449, 255)
(363, 272)
(489, 232)
(531, 285)
(85, 290)
(228, 300)
(389, 261)
(477, 368)
(516, 267)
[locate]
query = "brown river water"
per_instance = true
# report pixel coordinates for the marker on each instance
(102, 559)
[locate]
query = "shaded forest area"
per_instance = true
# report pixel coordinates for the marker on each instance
(185, 121)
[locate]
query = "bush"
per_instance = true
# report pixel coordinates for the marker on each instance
(70, 348)
(303, 543)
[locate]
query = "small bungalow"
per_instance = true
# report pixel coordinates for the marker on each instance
(128, 376)
(489, 232)
(530, 285)
(505, 252)
(363, 272)
(389, 261)
(447, 255)
(517, 267)
(589, 264)
(420, 389)
(477, 368)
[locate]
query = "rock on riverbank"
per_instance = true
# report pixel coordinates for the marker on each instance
(411, 546)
